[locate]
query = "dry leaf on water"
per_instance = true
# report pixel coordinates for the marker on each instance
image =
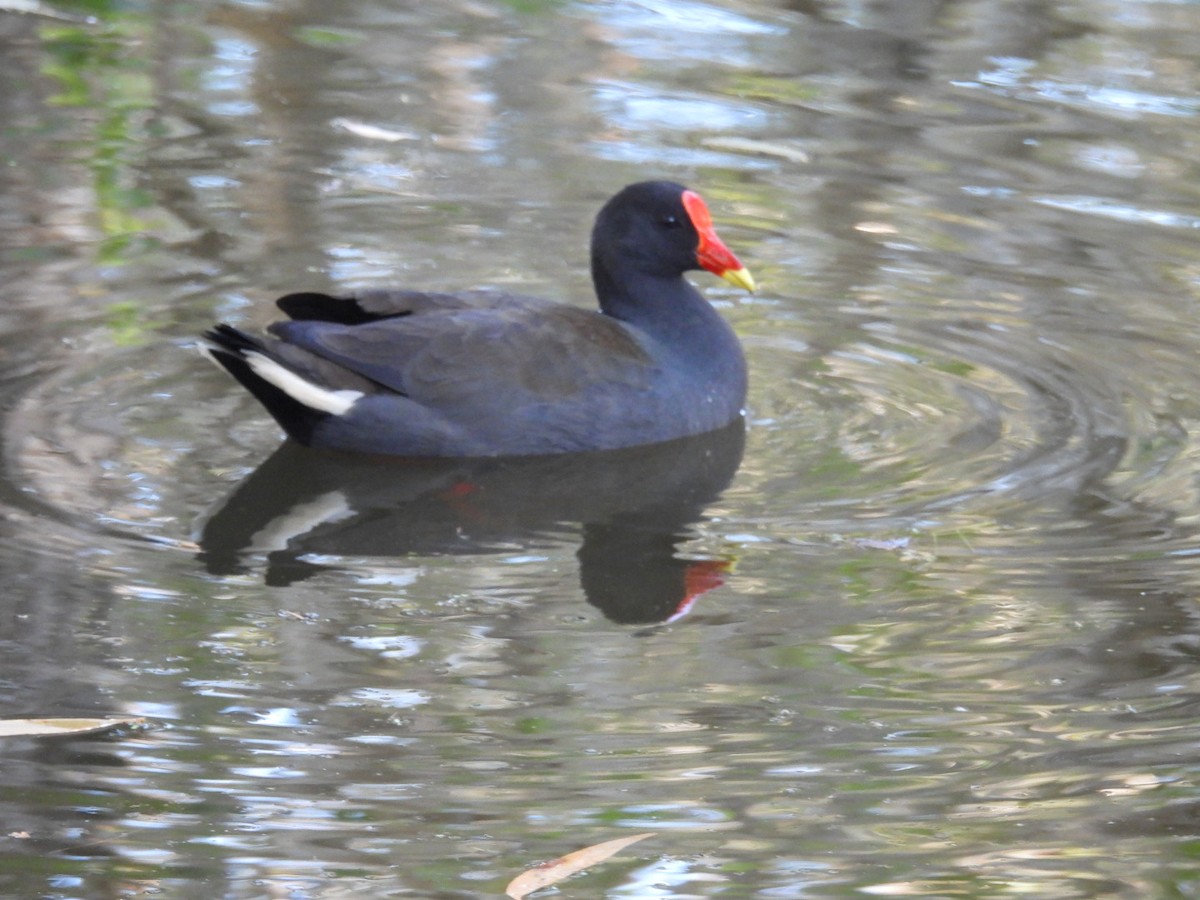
(556, 870)
(61, 727)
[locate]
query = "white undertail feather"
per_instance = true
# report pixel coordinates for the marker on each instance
(313, 396)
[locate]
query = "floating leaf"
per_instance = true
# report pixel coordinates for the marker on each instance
(556, 870)
(61, 727)
(34, 8)
(758, 148)
(372, 132)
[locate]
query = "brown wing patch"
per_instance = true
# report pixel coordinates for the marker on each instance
(521, 352)
(560, 352)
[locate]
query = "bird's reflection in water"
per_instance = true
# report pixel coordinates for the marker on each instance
(632, 509)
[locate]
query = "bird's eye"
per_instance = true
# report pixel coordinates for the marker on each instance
(670, 221)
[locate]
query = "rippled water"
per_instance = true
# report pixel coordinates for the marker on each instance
(928, 627)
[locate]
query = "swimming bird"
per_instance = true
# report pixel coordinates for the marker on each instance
(490, 373)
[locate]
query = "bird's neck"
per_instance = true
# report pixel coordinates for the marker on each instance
(672, 313)
(648, 301)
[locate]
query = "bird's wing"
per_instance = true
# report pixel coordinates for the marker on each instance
(447, 355)
(373, 305)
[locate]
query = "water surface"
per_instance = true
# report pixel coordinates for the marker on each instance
(927, 627)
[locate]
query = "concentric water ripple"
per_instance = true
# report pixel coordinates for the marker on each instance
(935, 637)
(935, 425)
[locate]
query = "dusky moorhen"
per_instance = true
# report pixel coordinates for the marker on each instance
(488, 373)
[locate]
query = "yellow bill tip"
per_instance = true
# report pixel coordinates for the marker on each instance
(740, 278)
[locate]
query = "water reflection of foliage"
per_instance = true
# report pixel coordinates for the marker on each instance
(95, 67)
(90, 53)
